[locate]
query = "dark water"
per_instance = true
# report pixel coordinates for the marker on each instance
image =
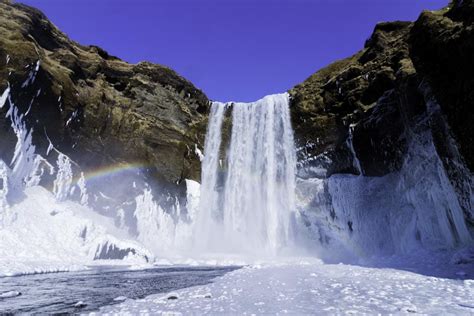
(59, 292)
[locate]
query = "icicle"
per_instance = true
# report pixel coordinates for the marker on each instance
(4, 96)
(355, 161)
(177, 208)
(31, 75)
(153, 223)
(192, 199)
(4, 207)
(3, 186)
(198, 152)
(81, 183)
(29, 106)
(121, 216)
(62, 184)
(27, 166)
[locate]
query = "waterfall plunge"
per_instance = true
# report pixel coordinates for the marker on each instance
(249, 208)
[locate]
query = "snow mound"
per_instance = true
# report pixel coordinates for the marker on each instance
(51, 236)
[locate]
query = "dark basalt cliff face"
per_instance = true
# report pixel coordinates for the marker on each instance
(94, 107)
(354, 91)
(373, 103)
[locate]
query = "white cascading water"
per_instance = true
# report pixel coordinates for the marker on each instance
(251, 209)
(208, 202)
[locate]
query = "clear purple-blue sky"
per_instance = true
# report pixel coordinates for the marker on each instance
(236, 50)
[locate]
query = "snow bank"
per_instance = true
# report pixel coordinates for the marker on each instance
(10, 267)
(51, 236)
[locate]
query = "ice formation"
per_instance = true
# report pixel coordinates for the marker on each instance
(45, 230)
(403, 212)
(27, 166)
(62, 184)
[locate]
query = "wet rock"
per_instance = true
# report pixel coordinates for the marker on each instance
(80, 304)
(120, 299)
(363, 91)
(172, 297)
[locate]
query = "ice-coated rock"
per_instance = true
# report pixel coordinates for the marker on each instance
(9, 294)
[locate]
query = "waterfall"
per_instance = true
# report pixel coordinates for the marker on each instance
(208, 203)
(250, 210)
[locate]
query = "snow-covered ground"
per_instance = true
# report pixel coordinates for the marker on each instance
(309, 287)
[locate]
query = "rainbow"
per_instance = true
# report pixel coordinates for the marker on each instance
(111, 170)
(101, 173)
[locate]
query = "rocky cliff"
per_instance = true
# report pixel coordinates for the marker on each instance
(94, 107)
(359, 115)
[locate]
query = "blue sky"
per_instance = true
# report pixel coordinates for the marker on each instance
(232, 50)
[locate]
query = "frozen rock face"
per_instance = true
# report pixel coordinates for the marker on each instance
(94, 107)
(442, 47)
(414, 208)
(361, 115)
